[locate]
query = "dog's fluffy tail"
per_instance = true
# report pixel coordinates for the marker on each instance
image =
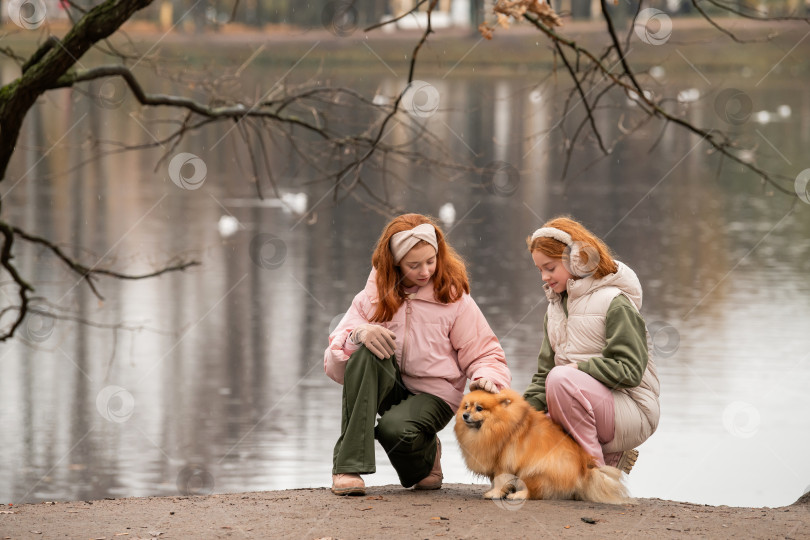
(604, 484)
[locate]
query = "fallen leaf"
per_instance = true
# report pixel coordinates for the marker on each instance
(369, 508)
(7, 512)
(376, 498)
(588, 520)
(567, 527)
(121, 534)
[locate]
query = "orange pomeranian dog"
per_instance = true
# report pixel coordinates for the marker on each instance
(502, 437)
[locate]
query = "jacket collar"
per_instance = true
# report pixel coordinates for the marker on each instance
(624, 279)
(424, 293)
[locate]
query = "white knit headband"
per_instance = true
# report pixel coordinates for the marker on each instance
(556, 234)
(402, 242)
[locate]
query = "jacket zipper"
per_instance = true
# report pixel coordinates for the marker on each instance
(407, 331)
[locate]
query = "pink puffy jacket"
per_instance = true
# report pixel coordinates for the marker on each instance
(439, 346)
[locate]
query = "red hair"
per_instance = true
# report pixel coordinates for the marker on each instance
(449, 281)
(557, 250)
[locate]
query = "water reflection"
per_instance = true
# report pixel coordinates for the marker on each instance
(220, 367)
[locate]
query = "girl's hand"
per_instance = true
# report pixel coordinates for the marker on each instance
(378, 339)
(573, 365)
(485, 385)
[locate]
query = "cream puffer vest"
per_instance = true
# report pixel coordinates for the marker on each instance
(581, 336)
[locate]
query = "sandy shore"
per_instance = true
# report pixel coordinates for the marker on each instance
(456, 511)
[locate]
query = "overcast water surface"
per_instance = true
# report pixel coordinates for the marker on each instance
(213, 380)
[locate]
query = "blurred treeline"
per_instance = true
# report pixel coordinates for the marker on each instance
(197, 15)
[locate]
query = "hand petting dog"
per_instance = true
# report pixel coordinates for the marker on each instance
(485, 385)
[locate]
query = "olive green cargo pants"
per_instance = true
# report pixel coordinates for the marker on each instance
(407, 426)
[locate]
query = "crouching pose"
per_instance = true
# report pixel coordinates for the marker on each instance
(404, 351)
(595, 376)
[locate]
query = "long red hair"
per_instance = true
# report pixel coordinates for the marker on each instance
(556, 249)
(450, 280)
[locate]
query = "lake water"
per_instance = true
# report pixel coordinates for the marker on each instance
(213, 379)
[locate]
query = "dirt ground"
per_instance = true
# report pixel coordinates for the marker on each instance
(456, 511)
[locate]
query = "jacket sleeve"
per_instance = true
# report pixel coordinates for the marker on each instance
(479, 351)
(535, 394)
(340, 346)
(625, 355)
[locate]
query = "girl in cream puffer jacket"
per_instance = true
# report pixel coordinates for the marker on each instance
(595, 374)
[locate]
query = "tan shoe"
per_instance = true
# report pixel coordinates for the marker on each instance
(434, 479)
(627, 460)
(348, 484)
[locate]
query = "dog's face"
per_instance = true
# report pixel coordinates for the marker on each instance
(479, 407)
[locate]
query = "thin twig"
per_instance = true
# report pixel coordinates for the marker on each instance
(395, 19)
(584, 99)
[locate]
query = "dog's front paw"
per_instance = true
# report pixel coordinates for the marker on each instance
(521, 495)
(493, 493)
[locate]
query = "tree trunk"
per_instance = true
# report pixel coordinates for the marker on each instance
(580, 9)
(50, 62)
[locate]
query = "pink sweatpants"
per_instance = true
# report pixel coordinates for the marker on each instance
(584, 408)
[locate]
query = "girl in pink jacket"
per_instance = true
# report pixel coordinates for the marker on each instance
(405, 350)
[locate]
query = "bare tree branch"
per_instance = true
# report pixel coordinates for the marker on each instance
(237, 112)
(716, 139)
(52, 61)
(9, 52)
(422, 40)
(23, 288)
(86, 273)
(759, 16)
(292, 117)
(357, 163)
(584, 98)
(719, 28)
